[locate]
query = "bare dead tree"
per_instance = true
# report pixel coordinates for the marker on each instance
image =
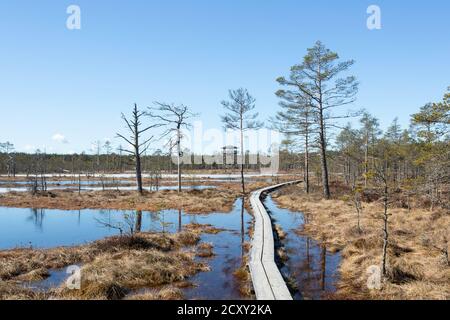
(97, 148)
(174, 119)
(239, 117)
(108, 149)
(130, 224)
(138, 148)
(8, 149)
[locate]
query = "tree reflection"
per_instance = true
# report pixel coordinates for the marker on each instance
(242, 226)
(323, 264)
(37, 217)
(138, 226)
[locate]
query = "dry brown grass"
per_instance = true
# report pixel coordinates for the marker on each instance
(243, 278)
(111, 267)
(203, 228)
(12, 291)
(169, 293)
(190, 201)
(22, 262)
(417, 268)
(242, 274)
(205, 250)
(112, 276)
(280, 232)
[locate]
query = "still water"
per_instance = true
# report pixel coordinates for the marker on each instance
(52, 228)
(311, 266)
(42, 228)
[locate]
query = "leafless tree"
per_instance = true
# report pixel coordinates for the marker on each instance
(130, 224)
(138, 148)
(119, 150)
(370, 131)
(97, 148)
(39, 181)
(108, 149)
(8, 149)
(174, 119)
(239, 117)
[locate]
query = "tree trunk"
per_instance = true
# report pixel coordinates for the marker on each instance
(179, 158)
(138, 172)
(306, 183)
(385, 229)
(137, 153)
(79, 184)
(366, 161)
(242, 227)
(242, 158)
(323, 266)
(138, 227)
(323, 156)
(324, 166)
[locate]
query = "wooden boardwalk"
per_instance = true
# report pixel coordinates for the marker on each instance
(266, 277)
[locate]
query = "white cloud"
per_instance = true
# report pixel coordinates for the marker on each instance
(58, 137)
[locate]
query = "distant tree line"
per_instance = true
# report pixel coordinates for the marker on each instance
(24, 163)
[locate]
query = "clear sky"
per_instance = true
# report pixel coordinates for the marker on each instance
(62, 89)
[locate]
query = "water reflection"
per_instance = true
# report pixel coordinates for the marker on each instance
(312, 267)
(242, 227)
(220, 282)
(138, 227)
(323, 264)
(37, 218)
(76, 227)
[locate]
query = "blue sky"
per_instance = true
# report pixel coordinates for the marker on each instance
(76, 83)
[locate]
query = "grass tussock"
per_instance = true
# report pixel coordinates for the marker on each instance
(13, 291)
(112, 276)
(162, 294)
(280, 232)
(203, 228)
(417, 267)
(205, 250)
(112, 267)
(242, 274)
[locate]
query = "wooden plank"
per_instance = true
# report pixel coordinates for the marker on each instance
(266, 277)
